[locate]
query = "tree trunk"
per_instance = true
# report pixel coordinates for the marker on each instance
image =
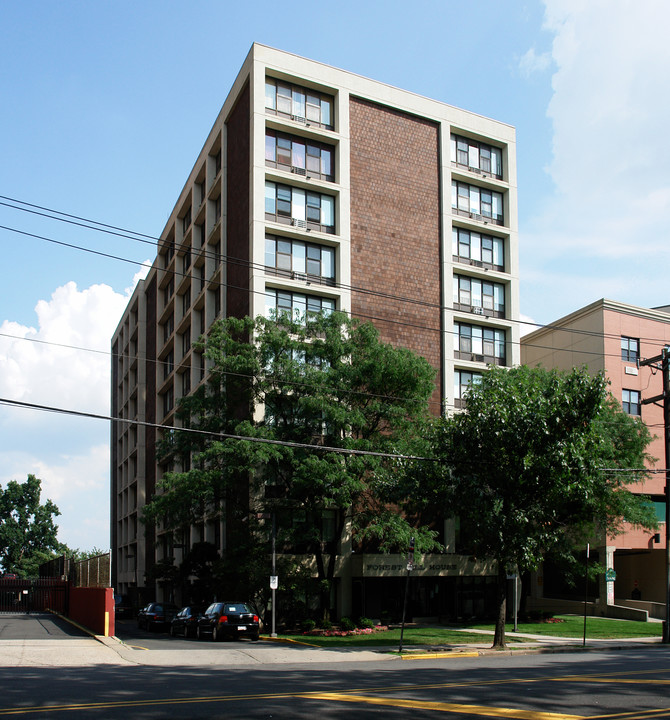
(499, 636)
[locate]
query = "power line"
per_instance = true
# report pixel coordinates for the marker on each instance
(285, 443)
(372, 318)
(208, 433)
(154, 241)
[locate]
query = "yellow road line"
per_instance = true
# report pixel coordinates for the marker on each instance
(445, 707)
(434, 656)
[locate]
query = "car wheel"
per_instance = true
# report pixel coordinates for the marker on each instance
(198, 633)
(255, 637)
(216, 635)
(173, 631)
(186, 632)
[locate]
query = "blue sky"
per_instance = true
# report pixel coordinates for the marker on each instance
(105, 106)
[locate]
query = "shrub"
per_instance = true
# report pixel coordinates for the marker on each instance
(347, 624)
(307, 625)
(365, 623)
(326, 625)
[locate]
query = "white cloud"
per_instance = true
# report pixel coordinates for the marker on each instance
(79, 486)
(610, 155)
(532, 62)
(63, 362)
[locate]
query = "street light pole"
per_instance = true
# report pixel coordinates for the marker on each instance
(410, 566)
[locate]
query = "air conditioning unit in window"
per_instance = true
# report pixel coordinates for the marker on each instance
(298, 170)
(296, 222)
(478, 310)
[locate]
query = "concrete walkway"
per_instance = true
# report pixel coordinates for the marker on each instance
(54, 650)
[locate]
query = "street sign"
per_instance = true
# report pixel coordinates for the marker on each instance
(274, 582)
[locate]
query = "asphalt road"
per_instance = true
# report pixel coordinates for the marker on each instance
(628, 684)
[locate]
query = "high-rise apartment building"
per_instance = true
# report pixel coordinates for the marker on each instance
(318, 189)
(611, 337)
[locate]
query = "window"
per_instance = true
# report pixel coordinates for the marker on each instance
(472, 342)
(298, 155)
(168, 401)
(296, 258)
(462, 381)
(186, 221)
(479, 296)
(169, 252)
(168, 328)
(186, 382)
(297, 306)
(300, 208)
(168, 366)
(186, 341)
(298, 103)
(477, 203)
(630, 402)
(186, 302)
(475, 156)
(477, 249)
(186, 260)
(630, 349)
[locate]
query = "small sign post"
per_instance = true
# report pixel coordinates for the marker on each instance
(410, 567)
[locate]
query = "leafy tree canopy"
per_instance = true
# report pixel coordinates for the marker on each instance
(28, 535)
(539, 462)
(328, 382)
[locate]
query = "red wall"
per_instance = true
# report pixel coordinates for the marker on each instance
(94, 609)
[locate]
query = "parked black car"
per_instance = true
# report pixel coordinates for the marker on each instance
(156, 615)
(229, 620)
(185, 622)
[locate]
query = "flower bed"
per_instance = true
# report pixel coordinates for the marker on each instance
(336, 632)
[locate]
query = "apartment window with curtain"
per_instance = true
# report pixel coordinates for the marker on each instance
(298, 103)
(479, 344)
(479, 296)
(300, 260)
(630, 349)
(478, 249)
(477, 203)
(463, 379)
(476, 156)
(299, 155)
(630, 402)
(299, 208)
(296, 306)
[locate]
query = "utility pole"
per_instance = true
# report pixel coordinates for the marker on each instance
(664, 359)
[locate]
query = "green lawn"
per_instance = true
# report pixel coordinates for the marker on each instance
(596, 628)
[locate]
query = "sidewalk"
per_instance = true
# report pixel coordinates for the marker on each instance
(90, 651)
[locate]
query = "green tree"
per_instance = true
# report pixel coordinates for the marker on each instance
(538, 463)
(28, 535)
(325, 383)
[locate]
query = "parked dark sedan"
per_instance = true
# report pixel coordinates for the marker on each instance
(229, 620)
(156, 615)
(185, 622)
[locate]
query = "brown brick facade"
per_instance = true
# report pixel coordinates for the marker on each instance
(395, 226)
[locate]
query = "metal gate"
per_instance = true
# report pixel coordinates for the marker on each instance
(38, 595)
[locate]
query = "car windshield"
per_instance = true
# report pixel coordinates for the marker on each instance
(237, 608)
